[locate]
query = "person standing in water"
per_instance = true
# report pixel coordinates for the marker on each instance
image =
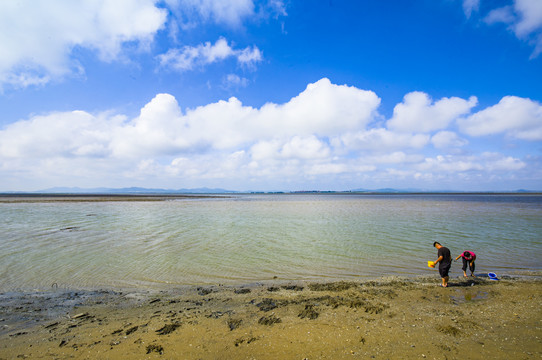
(444, 262)
(468, 257)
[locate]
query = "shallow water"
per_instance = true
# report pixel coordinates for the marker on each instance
(251, 238)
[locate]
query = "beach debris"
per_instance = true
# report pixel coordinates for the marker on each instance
(269, 320)
(131, 330)
(204, 291)
(218, 314)
(70, 228)
(273, 289)
(234, 323)
(168, 328)
(309, 312)
(155, 348)
(51, 325)
(267, 304)
(154, 301)
(293, 287)
(80, 316)
(19, 334)
(247, 340)
(242, 291)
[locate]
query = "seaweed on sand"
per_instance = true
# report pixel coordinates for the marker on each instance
(167, 329)
(334, 286)
(309, 312)
(269, 320)
(234, 323)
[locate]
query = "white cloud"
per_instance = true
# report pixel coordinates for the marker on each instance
(37, 36)
(190, 57)
(278, 8)
(308, 147)
(499, 162)
(504, 14)
(469, 6)
(485, 162)
(517, 117)
(228, 12)
(530, 17)
(68, 134)
(397, 157)
(524, 18)
(383, 140)
(447, 139)
(249, 56)
(324, 134)
(323, 109)
(234, 80)
(231, 13)
(417, 112)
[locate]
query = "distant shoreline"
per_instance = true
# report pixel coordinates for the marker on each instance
(104, 197)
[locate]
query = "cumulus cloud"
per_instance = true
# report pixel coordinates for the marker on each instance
(418, 113)
(322, 109)
(447, 139)
(516, 117)
(37, 37)
(198, 56)
(66, 134)
(524, 18)
(326, 132)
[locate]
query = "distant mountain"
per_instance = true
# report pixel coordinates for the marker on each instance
(132, 190)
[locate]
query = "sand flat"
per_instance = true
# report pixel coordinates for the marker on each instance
(381, 319)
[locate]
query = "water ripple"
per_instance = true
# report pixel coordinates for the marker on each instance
(254, 238)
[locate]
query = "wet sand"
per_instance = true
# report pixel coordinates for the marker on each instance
(389, 318)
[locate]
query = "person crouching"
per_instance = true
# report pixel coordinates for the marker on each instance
(468, 258)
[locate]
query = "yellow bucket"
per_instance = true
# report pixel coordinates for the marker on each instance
(431, 264)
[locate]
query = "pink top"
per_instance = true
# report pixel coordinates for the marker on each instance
(472, 255)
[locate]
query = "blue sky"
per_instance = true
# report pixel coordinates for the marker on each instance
(271, 95)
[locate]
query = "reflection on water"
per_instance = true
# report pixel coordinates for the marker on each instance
(251, 238)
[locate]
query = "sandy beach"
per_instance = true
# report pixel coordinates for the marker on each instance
(388, 318)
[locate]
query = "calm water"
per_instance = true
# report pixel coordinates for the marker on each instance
(254, 238)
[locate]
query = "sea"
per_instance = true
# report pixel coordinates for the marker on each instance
(252, 238)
